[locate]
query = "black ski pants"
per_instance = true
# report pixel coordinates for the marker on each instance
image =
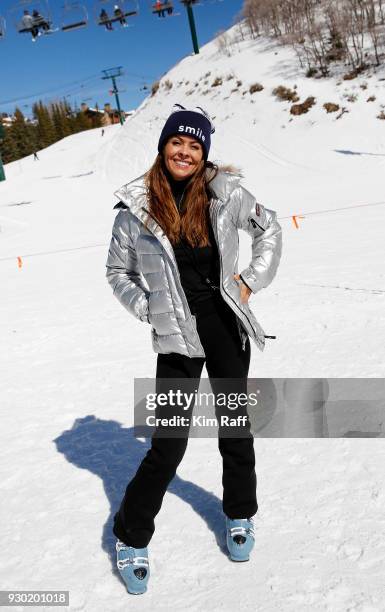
(218, 332)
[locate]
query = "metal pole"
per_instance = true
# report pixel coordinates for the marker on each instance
(2, 134)
(112, 73)
(192, 27)
(121, 118)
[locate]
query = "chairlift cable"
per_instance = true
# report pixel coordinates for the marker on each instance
(51, 90)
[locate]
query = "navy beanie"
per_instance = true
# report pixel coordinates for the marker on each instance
(194, 123)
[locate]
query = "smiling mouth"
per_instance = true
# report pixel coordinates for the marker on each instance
(181, 164)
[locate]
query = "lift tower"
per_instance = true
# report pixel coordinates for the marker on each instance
(112, 73)
(2, 134)
(189, 4)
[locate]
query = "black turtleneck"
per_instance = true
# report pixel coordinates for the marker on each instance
(177, 187)
(205, 259)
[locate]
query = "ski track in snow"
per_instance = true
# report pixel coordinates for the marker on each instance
(70, 353)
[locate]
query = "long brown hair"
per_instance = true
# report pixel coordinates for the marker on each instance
(192, 223)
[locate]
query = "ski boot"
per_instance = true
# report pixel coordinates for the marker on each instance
(239, 538)
(133, 567)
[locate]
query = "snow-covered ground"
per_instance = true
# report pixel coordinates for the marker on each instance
(70, 353)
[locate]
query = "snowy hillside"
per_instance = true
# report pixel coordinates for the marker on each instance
(70, 353)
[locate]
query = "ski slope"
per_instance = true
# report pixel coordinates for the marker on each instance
(70, 353)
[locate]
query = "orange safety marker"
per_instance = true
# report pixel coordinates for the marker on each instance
(295, 217)
(19, 262)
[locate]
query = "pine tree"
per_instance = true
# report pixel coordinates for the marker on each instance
(46, 133)
(32, 138)
(69, 116)
(65, 115)
(51, 124)
(60, 119)
(55, 116)
(82, 122)
(21, 135)
(9, 150)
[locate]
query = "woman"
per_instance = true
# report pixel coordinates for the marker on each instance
(177, 230)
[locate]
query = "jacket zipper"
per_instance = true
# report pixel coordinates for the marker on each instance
(220, 262)
(255, 224)
(186, 306)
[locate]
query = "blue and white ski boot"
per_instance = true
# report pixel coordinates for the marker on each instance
(240, 538)
(133, 567)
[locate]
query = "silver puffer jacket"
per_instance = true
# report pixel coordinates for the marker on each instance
(143, 272)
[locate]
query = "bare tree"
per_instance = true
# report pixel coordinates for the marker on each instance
(223, 42)
(321, 31)
(374, 29)
(336, 26)
(355, 27)
(381, 11)
(251, 14)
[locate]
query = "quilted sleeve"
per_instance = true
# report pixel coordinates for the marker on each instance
(123, 272)
(266, 234)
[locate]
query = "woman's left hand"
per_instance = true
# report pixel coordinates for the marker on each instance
(245, 291)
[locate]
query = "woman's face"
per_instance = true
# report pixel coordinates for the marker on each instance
(182, 156)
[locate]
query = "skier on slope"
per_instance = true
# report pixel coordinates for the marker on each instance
(177, 228)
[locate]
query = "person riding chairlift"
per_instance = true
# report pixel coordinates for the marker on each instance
(103, 18)
(119, 13)
(28, 25)
(39, 21)
(159, 7)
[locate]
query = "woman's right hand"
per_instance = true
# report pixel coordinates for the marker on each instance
(245, 291)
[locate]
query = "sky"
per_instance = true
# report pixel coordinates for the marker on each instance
(70, 63)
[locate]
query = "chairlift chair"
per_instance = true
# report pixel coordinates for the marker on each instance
(164, 8)
(128, 8)
(192, 2)
(74, 16)
(16, 13)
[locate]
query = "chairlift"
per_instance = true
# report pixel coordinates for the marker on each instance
(108, 12)
(191, 2)
(74, 16)
(2, 27)
(163, 8)
(33, 17)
